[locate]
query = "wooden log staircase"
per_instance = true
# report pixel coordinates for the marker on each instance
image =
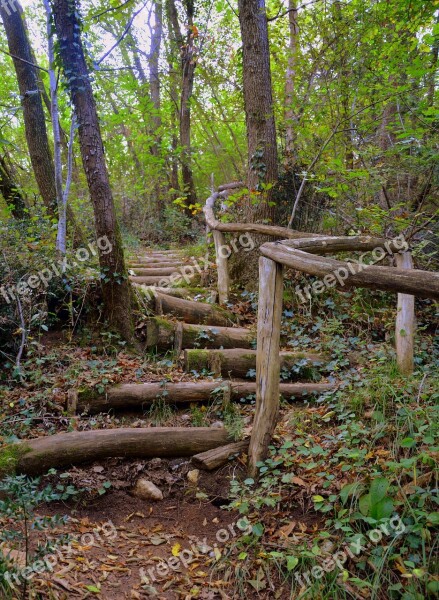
(207, 338)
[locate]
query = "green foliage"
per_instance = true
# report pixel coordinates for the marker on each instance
(21, 497)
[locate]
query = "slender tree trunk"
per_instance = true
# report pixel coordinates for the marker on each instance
(290, 84)
(188, 65)
(61, 238)
(33, 111)
(115, 285)
(11, 191)
(258, 101)
(154, 87)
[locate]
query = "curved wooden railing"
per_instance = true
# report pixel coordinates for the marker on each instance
(307, 253)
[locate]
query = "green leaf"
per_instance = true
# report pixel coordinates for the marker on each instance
(93, 588)
(292, 562)
(378, 489)
(407, 442)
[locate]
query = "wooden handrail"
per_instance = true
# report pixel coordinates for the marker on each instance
(306, 256)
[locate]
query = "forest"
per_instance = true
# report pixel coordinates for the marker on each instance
(219, 285)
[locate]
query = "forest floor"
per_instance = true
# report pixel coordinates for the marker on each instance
(221, 534)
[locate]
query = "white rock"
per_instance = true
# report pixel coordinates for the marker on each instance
(218, 424)
(193, 476)
(147, 490)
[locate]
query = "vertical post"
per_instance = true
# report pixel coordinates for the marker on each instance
(222, 266)
(405, 321)
(267, 359)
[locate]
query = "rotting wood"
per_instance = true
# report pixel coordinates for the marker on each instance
(217, 457)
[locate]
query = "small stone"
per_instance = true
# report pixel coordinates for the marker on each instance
(193, 476)
(185, 418)
(218, 425)
(146, 490)
(98, 469)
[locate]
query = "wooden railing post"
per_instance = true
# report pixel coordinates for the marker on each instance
(222, 266)
(405, 321)
(267, 359)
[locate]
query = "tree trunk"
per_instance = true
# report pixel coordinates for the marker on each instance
(11, 191)
(290, 84)
(258, 102)
(33, 111)
(188, 65)
(115, 285)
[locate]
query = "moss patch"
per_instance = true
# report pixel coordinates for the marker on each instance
(9, 458)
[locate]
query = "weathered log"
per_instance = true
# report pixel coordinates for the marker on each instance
(150, 290)
(301, 255)
(217, 457)
(238, 362)
(193, 312)
(65, 449)
(155, 265)
(405, 322)
(136, 395)
(274, 231)
(161, 333)
(222, 266)
(268, 360)
(159, 281)
(159, 272)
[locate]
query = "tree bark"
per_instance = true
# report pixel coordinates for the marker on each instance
(258, 102)
(33, 111)
(115, 285)
(290, 85)
(188, 64)
(11, 191)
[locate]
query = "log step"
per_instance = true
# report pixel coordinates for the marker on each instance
(66, 449)
(192, 312)
(151, 290)
(165, 335)
(160, 281)
(238, 362)
(136, 395)
(155, 265)
(159, 272)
